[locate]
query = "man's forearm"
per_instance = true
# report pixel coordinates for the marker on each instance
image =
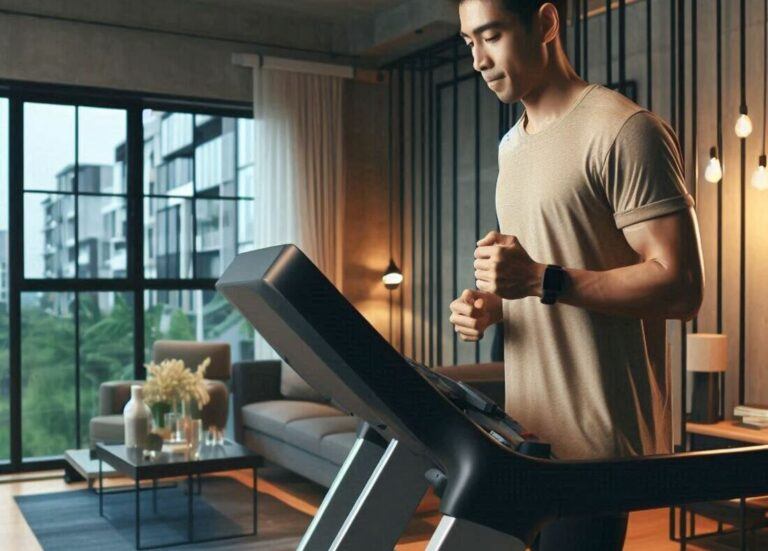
(645, 290)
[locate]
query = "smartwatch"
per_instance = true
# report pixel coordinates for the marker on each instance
(553, 284)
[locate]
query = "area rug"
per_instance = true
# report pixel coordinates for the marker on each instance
(70, 520)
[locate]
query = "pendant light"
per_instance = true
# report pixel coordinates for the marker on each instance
(714, 171)
(760, 176)
(392, 277)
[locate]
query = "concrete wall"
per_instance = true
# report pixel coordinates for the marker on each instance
(178, 47)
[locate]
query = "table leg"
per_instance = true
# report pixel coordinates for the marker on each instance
(743, 528)
(154, 495)
(138, 514)
(190, 519)
(101, 491)
(683, 528)
(255, 495)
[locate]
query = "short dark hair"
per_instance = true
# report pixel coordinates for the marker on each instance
(525, 9)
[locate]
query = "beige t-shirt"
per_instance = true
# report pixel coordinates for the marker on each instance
(593, 385)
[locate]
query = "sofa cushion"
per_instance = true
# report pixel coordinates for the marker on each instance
(272, 416)
(293, 387)
(108, 429)
(335, 447)
(308, 433)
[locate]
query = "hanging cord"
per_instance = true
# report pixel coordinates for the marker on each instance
(765, 69)
(390, 170)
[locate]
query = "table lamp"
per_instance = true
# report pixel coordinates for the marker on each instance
(706, 358)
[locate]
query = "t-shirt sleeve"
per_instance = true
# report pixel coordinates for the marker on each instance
(642, 173)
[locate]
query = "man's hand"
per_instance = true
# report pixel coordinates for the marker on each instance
(504, 268)
(473, 312)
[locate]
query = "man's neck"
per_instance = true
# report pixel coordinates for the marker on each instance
(548, 102)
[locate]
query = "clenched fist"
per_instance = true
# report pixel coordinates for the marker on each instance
(473, 312)
(504, 268)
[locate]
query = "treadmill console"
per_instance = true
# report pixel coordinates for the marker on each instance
(485, 412)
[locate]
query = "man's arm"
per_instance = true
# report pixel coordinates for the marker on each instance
(667, 282)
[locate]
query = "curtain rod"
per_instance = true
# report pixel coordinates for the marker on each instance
(293, 65)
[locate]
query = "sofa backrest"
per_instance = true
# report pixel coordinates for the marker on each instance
(193, 353)
(293, 387)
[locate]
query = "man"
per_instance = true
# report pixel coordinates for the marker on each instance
(596, 223)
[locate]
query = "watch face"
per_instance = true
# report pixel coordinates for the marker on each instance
(553, 278)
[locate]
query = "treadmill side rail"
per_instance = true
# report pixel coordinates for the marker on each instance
(349, 483)
(387, 503)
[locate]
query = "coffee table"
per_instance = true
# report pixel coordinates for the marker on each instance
(209, 459)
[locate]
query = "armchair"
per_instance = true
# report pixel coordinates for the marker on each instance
(108, 427)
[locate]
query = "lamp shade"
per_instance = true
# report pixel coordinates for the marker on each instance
(706, 352)
(393, 277)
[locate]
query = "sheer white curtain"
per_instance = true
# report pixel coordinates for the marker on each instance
(298, 171)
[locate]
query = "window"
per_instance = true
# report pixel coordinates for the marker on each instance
(198, 174)
(80, 295)
(74, 172)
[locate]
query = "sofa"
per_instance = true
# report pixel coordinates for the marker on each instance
(280, 417)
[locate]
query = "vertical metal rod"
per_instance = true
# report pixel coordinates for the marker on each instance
(695, 113)
(455, 190)
(622, 47)
(672, 64)
(608, 45)
(585, 33)
(413, 212)
(438, 274)
(649, 51)
(432, 155)
(401, 195)
(478, 125)
(422, 204)
(680, 20)
(576, 22)
(719, 108)
(390, 151)
(743, 207)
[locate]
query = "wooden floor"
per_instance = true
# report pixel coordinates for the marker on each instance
(648, 530)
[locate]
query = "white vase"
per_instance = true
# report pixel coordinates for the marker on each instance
(137, 419)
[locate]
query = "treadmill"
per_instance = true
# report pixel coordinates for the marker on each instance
(497, 486)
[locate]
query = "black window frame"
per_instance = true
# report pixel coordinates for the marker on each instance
(18, 93)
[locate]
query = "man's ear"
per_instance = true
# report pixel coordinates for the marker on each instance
(549, 22)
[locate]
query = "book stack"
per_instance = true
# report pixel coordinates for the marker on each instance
(752, 415)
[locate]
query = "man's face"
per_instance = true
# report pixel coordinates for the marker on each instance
(509, 57)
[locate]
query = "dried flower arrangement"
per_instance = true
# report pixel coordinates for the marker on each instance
(171, 380)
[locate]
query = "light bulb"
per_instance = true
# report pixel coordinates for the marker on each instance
(760, 175)
(714, 171)
(743, 126)
(392, 276)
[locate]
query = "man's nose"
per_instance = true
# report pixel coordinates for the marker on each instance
(481, 61)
